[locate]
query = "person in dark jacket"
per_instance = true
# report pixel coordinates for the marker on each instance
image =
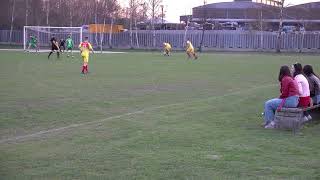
(314, 83)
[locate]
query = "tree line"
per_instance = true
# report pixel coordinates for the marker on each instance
(18, 13)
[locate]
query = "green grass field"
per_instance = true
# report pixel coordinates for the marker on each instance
(146, 116)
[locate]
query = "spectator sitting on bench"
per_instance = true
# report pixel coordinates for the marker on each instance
(304, 90)
(314, 83)
(289, 97)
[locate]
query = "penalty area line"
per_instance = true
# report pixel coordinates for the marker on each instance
(37, 134)
(74, 51)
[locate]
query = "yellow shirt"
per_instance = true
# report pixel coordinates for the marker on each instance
(85, 48)
(189, 45)
(167, 46)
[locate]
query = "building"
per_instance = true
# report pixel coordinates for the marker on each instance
(256, 14)
(269, 2)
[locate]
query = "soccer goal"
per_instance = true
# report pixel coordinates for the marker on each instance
(43, 35)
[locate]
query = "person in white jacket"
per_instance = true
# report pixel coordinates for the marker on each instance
(304, 88)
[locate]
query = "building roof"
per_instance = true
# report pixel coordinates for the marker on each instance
(312, 5)
(235, 5)
(247, 10)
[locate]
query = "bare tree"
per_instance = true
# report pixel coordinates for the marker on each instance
(141, 15)
(104, 15)
(136, 28)
(71, 4)
(111, 13)
(36, 13)
(96, 20)
(261, 26)
(154, 6)
(186, 31)
(12, 18)
(279, 39)
(47, 5)
(133, 11)
(56, 12)
(27, 12)
(111, 31)
(113, 9)
(144, 11)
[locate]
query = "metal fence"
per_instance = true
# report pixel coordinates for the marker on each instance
(221, 40)
(16, 38)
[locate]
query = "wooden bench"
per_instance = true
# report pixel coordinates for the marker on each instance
(291, 118)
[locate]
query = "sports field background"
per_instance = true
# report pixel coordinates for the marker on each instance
(146, 116)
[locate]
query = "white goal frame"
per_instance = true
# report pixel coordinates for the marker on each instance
(25, 37)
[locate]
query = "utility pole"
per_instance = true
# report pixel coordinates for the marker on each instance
(261, 26)
(162, 6)
(27, 12)
(47, 11)
(145, 9)
(204, 23)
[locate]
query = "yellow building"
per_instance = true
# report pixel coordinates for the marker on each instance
(105, 28)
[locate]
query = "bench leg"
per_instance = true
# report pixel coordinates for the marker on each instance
(289, 120)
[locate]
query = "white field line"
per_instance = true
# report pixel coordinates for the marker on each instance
(37, 134)
(46, 51)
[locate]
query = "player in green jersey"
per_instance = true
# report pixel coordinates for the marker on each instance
(70, 46)
(33, 43)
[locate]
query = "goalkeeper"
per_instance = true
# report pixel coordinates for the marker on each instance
(33, 43)
(70, 46)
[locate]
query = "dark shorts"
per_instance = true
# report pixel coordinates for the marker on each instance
(69, 48)
(54, 48)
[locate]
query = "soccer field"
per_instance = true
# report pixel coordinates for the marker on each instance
(145, 116)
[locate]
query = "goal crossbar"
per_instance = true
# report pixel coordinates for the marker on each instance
(52, 27)
(45, 30)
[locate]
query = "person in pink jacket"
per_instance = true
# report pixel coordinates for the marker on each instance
(304, 88)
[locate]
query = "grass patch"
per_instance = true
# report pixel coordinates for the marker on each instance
(198, 120)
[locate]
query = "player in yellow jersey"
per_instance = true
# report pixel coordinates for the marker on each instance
(167, 49)
(190, 50)
(85, 48)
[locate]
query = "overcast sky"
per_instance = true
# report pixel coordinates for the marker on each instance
(175, 8)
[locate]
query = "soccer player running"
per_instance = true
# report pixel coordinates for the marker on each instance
(85, 48)
(54, 47)
(70, 45)
(167, 49)
(62, 44)
(190, 50)
(33, 43)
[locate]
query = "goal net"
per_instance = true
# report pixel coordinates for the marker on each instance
(43, 35)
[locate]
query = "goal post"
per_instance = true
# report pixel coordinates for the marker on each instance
(44, 34)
